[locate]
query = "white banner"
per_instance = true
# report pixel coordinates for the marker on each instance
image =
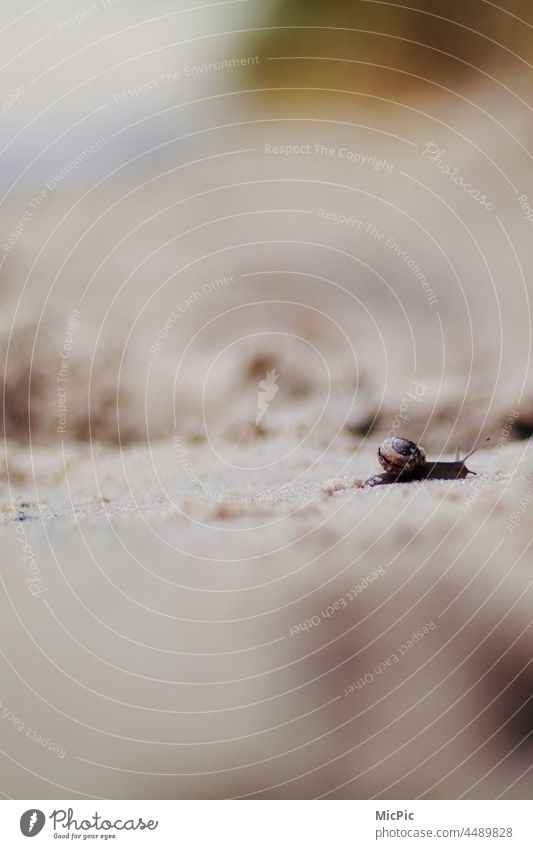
(267, 824)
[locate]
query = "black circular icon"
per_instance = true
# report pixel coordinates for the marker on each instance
(32, 822)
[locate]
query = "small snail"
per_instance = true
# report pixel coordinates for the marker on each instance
(405, 461)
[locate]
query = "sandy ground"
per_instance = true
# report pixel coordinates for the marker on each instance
(261, 641)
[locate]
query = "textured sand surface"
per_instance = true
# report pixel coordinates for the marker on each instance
(170, 644)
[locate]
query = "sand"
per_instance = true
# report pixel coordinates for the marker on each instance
(261, 641)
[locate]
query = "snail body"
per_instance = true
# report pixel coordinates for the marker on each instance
(405, 461)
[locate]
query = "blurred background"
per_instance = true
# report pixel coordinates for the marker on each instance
(242, 242)
(136, 168)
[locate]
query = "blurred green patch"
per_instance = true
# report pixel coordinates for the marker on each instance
(369, 45)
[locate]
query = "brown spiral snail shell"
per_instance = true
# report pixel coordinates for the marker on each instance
(398, 455)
